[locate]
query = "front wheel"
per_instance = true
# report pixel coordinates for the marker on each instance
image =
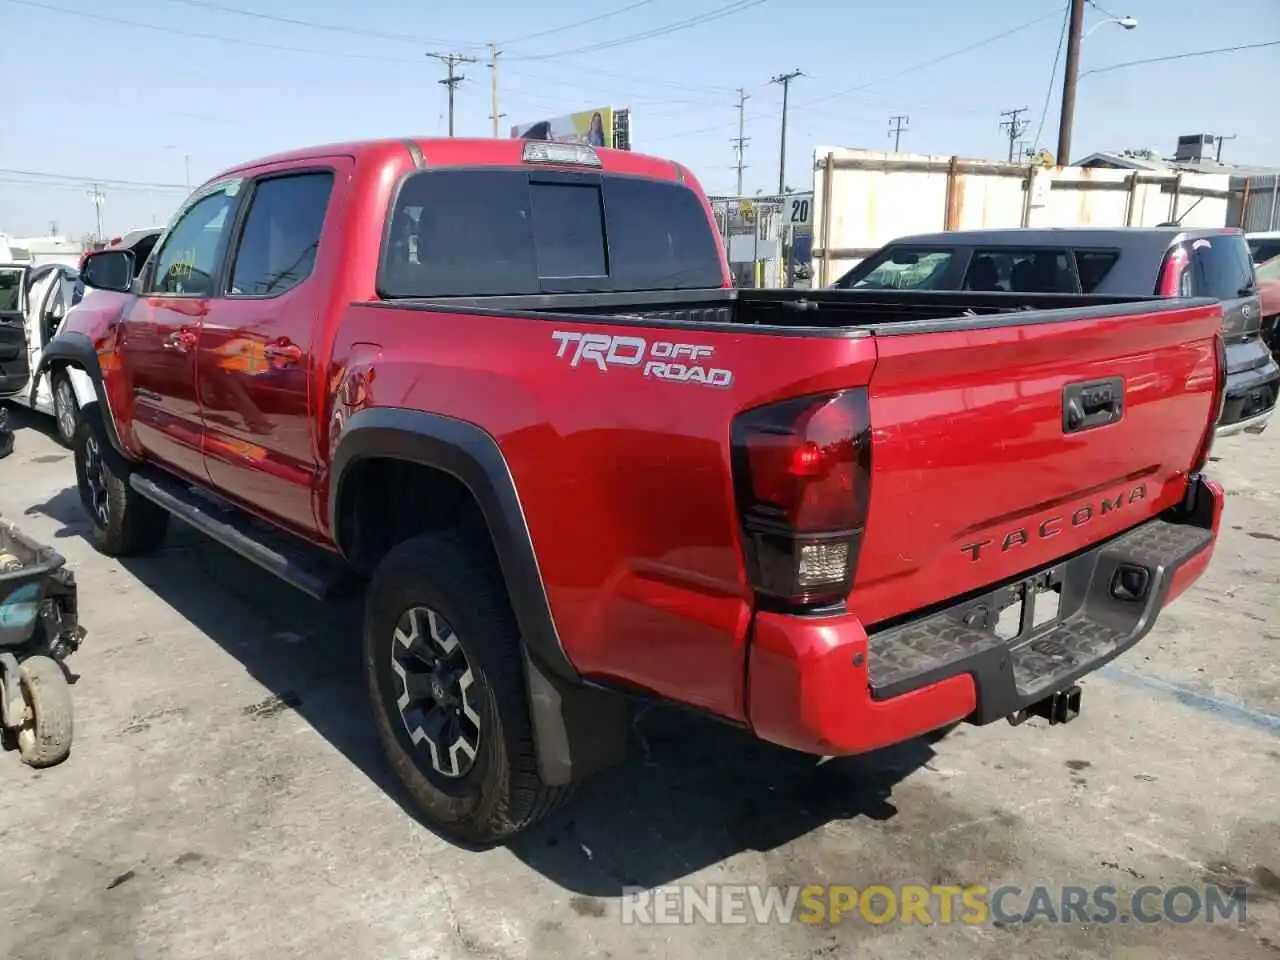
(123, 521)
(443, 661)
(66, 412)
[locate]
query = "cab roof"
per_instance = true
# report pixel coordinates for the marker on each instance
(436, 152)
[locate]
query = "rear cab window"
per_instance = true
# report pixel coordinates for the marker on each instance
(494, 232)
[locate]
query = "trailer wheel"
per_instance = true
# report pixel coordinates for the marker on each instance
(44, 738)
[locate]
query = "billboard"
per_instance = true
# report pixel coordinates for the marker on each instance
(599, 127)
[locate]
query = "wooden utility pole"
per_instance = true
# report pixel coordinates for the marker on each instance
(897, 127)
(451, 61)
(1015, 127)
(493, 71)
(1071, 73)
(98, 197)
(740, 142)
(784, 79)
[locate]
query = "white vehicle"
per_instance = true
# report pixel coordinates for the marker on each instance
(1263, 245)
(33, 303)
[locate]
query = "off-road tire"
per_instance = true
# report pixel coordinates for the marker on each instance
(501, 794)
(61, 385)
(45, 738)
(133, 524)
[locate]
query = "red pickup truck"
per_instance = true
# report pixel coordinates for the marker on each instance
(506, 385)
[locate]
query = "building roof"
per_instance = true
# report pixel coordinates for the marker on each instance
(1132, 161)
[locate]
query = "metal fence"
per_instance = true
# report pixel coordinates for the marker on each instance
(1255, 203)
(765, 237)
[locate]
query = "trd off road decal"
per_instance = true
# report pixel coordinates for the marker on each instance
(659, 359)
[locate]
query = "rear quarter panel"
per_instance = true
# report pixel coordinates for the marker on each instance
(625, 480)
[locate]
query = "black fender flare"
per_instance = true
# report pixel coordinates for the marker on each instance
(579, 728)
(471, 456)
(76, 349)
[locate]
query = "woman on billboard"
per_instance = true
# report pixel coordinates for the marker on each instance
(595, 133)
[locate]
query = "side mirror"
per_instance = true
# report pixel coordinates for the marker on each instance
(108, 270)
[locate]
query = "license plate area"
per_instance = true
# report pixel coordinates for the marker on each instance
(1259, 400)
(1018, 611)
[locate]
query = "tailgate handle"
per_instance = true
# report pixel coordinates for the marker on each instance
(1092, 404)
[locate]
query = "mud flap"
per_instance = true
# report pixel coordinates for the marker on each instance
(578, 730)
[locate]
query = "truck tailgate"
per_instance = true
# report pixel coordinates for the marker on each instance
(977, 475)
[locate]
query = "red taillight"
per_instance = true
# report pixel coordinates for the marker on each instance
(1219, 401)
(1175, 264)
(802, 471)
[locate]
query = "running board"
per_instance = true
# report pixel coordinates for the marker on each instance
(307, 568)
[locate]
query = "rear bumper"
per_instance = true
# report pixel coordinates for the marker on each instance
(1251, 392)
(823, 685)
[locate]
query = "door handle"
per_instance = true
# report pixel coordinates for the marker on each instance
(283, 353)
(180, 340)
(1093, 404)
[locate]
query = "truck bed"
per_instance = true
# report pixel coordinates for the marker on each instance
(823, 310)
(976, 477)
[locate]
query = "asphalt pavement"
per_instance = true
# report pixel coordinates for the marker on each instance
(226, 796)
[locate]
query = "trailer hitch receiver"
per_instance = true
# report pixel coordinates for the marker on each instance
(1060, 707)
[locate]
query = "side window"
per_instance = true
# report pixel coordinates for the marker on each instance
(277, 250)
(188, 262)
(1093, 267)
(1020, 271)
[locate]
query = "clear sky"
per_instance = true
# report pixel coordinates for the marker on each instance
(127, 91)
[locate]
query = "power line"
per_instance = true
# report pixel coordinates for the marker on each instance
(1053, 73)
(608, 14)
(317, 25)
(54, 185)
(1102, 10)
(931, 62)
(784, 79)
(218, 38)
(238, 41)
(737, 6)
(897, 129)
(740, 141)
(592, 87)
(1183, 56)
(1015, 127)
(870, 83)
(101, 181)
(451, 62)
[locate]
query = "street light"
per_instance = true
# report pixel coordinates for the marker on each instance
(1071, 73)
(1129, 23)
